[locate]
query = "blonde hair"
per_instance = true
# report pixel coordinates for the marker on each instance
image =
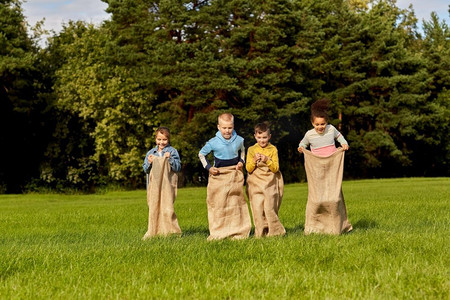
(226, 117)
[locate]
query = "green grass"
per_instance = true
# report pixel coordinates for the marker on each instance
(89, 246)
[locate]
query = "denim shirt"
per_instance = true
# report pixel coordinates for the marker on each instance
(174, 159)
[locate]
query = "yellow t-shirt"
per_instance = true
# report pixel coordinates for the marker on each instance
(270, 151)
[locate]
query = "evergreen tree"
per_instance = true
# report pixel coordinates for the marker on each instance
(181, 63)
(200, 58)
(22, 130)
(377, 83)
(432, 146)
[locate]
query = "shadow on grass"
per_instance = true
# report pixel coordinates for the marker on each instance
(8, 272)
(365, 224)
(298, 229)
(204, 231)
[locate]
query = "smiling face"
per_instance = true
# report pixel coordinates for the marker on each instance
(262, 138)
(161, 141)
(319, 124)
(226, 128)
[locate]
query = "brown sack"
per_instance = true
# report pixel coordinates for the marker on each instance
(325, 209)
(265, 191)
(161, 194)
(228, 214)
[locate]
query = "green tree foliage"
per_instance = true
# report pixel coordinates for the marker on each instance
(68, 155)
(113, 108)
(377, 83)
(205, 57)
(181, 63)
(432, 152)
(104, 90)
(23, 128)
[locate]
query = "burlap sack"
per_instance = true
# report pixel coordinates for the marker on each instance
(265, 192)
(161, 194)
(325, 209)
(228, 214)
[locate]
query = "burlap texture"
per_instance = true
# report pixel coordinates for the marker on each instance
(325, 209)
(228, 214)
(161, 194)
(265, 192)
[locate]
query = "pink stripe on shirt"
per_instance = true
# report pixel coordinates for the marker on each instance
(324, 151)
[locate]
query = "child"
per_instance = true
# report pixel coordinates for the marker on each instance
(321, 137)
(324, 164)
(228, 214)
(164, 162)
(264, 184)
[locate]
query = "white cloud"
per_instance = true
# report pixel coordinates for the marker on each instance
(57, 12)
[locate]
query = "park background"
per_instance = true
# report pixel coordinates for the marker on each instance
(80, 113)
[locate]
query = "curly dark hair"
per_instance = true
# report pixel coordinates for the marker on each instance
(319, 109)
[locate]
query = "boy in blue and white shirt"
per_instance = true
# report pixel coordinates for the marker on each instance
(227, 147)
(228, 215)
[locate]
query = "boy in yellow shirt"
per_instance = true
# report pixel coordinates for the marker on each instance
(264, 184)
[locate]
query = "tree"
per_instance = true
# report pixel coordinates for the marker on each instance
(23, 133)
(68, 159)
(110, 103)
(377, 83)
(432, 146)
(181, 63)
(200, 58)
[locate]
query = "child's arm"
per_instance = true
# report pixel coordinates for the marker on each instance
(241, 162)
(272, 160)
(250, 164)
(304, 143)
(205, 163)
(202, 156)
(340, 138)
(174, 159)
(147, 162)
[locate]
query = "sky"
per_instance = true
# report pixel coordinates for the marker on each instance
(57, 12)
(423, 9)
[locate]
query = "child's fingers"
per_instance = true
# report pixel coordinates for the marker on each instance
(214, 171)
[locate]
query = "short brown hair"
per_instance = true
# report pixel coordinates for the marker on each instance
(262, 127)
(163, 130)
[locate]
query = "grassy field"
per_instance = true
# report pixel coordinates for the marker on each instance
(89, 246)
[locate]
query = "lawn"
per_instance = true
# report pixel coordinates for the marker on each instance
(89, 246)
